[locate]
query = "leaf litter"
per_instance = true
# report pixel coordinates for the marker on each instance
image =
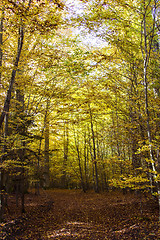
(71, 214)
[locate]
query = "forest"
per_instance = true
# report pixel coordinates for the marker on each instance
(80, 105)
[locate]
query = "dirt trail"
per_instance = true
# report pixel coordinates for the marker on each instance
(66, 214)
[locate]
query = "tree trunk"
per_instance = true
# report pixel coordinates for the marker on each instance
(1, 172)
(22, 130)
(64, 181)
(37, 179)
(79, 161)
(146, 58)
(12, 80)
(1, 42)
(46, 150)
(85, 161)
(94, 153)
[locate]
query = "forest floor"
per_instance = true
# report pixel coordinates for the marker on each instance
(72, 214)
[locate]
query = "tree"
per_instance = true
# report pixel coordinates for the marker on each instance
(25, 19)
(148, 34)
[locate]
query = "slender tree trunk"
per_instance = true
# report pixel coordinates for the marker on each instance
(117, 149)
(91, 154)
(1, 57)
(12, 80)
(64, 181)
(117, 138)
(133, 115)
(104, 172)
(46, 150)
(23, 187)
(85, 160)
(22, 131)
(94, 153)
(79, 161)
(1, 42)
(146, 58)
(37, 183)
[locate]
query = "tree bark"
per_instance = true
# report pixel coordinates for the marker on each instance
(85, 160)
(12, 80)
(1, 42)
(79, 161)
(46, 150)
(64, 181)
(1, 171)
(94, 153)
(22, 131)
(146, 58)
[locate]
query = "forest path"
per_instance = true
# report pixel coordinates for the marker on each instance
(72, 214)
